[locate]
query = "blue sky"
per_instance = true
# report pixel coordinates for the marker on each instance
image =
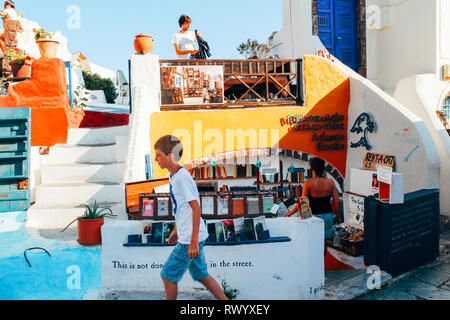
(108, 28)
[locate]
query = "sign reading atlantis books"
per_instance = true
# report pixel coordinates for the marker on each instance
(192, 85)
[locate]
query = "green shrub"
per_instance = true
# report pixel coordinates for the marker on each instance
(95, 82)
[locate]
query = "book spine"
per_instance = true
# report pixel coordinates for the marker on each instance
(219, 175)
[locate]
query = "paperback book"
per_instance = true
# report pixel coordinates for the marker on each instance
(167, 230)
(249, 229)
(148, 208)
(157, 232)
(146, 232)
(212, 232)
(220, 235)
(208, 205)
(229, 231)
(239, 228)
(222, 206)
(260, 226)
(305, 209)
(163, 208)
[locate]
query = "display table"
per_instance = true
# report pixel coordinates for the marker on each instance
(279, 270)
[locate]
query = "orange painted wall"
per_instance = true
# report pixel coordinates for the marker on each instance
(46, 93)
(327, 91)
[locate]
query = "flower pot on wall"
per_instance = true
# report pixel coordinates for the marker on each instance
(143, 43)
(89, 231)
(24, 71)
(48, 48)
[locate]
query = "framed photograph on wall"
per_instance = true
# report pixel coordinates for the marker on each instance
(192, 85)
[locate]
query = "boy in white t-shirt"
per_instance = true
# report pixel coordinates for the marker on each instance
(185, 41)
(190, 232)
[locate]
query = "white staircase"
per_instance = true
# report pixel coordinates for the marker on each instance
(90, 167)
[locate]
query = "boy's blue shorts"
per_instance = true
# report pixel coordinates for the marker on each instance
(179, 262)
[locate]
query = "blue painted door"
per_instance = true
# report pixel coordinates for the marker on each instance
(337, 29)
(14, 159)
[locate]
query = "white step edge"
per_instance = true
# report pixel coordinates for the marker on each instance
(58, 218)
(78, 193)
(67, 154)
(83, 173)
(95, 136)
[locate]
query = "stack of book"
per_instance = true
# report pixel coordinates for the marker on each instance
(205, 173)
(296, 175)
(270, 178)
(245, 171)
(240, 229)
(157, 232)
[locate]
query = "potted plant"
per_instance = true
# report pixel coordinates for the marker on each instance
(22, 61)
(48, 47)
(90, 224)
(3, 87)
(143, 44)
(81, 97)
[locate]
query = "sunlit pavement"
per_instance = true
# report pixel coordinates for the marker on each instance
(430, 282)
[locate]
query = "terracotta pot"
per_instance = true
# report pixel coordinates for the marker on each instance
(24, 71)
(143, 43)
(89, 231)
(48, 48)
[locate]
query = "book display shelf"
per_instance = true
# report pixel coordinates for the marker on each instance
(231, 229)
(214, 205)
(286, 183)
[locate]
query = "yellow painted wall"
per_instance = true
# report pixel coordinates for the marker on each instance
(205, 133)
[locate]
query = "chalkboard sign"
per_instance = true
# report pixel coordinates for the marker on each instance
(404, 236)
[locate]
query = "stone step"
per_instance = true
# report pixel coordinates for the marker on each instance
(70, 154)
(74, 194)
(95, 136)
(44, 217)
(81, 173)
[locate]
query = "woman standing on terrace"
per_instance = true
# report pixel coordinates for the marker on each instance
(185, 41)
(9, 12)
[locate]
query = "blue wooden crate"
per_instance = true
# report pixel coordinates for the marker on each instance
(14, 159)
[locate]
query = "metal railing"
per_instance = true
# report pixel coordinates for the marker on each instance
(246, 83)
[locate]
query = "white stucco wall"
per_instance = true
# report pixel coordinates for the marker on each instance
(409, 45)
(145, 88)
(399, 132)
(27, 42)
(443, 50)
(422, 95)
(295, 39)
(275, 271)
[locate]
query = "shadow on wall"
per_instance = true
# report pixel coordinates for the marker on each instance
(323, 131)
(327, 93)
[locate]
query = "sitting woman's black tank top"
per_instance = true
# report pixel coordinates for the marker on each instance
(320, 205)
